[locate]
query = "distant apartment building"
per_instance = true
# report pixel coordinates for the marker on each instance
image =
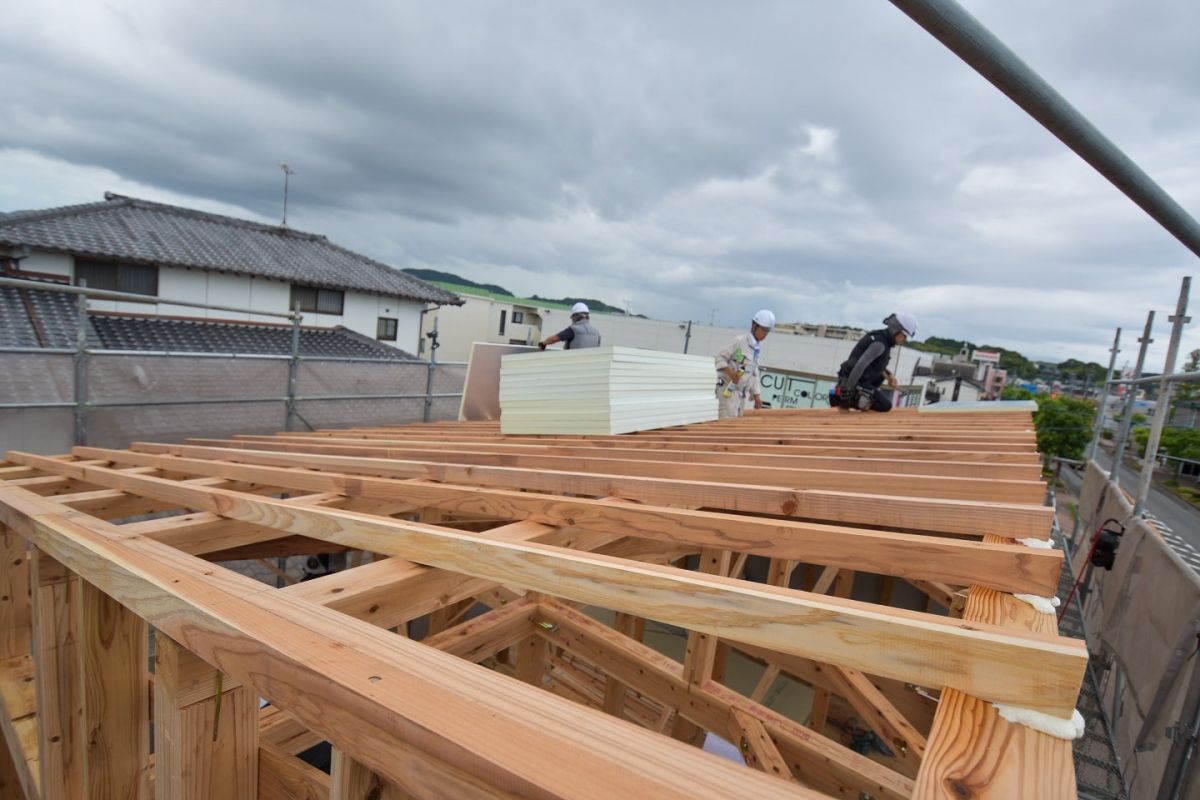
(822, 330)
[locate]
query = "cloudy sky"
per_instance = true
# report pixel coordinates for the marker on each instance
(831, 161)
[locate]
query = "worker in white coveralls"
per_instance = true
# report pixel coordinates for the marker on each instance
(580, 334)
(737, 367)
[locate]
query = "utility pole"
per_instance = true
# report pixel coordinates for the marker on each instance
(287, 172)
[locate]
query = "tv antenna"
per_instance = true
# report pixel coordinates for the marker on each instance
(287, 172)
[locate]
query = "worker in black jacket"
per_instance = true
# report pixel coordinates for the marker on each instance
(862, 374)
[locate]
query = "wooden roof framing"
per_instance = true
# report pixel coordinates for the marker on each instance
(501, 545)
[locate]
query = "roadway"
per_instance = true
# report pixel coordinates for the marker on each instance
(1181, 517)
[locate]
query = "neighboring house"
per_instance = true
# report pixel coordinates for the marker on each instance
(953, 389)
(140, 247)
(487, 316)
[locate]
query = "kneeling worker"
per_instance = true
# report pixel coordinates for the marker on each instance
(580, 334)
(737, 367)
(863, 373)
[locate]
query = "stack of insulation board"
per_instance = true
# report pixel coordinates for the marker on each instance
(604, 390)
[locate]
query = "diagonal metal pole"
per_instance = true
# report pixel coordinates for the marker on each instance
(1163, 405)
(1130, 396)
(1100, 412)
(967, 38)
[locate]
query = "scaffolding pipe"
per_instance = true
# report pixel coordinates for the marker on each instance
(1162, 406)
(1100, 412)
(1130, 395)
(967, 38)
(81, 369)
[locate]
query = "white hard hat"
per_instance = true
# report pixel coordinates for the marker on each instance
(764, 318)
(580, 308)
(907, 323)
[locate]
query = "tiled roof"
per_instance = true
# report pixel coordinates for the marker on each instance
(187, 336)
(140, 231)
(56, 313)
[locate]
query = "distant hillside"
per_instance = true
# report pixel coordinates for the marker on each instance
(449, 277)
(599, 306)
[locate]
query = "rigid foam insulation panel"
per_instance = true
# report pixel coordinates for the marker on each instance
(604, 390)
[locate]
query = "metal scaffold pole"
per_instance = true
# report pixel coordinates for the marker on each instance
(81, 367)
(1162, 406)
(1130, 397)
(1100, 412)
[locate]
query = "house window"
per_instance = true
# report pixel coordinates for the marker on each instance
(132, 278)
(319, 301)
(503, 314)
(518, 317)
(385, 330)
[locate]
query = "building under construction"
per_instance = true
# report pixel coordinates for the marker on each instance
(873, 565)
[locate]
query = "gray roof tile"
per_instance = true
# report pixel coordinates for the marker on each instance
(140, 231)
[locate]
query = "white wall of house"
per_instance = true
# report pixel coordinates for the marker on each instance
(360, 311)
(478, 321)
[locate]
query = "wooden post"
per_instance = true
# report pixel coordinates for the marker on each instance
(205, 729)
(15, 610)
(17, 778)
(116, 708)
(56, 658)
(701, 654)
(350, 780)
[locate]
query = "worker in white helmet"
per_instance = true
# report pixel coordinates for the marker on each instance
(737, 368)
(862, 375)
(581, 333)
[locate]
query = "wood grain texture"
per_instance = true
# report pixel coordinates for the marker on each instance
(1037, 671)
(204, 746)
(410, 713)
(1011, 568)
(906, 512)
(116, 708)
(974, 753)
(57, 621)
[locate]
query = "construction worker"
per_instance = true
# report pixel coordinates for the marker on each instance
(737, 367)
(863, 374)
(581, 333)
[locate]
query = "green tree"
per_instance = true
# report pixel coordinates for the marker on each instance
(1187, 392)
(1016, 393)
(1178, 442)
(1064, 426)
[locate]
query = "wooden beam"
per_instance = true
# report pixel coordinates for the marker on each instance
(818, 762)
(756, 744)
(282, 776)
(205, 733)
(116, 708)
(426, 721)
(1012, 568)
(951, 484)
(973, 752)
(350, 780)
(910, 513)
(1037, 672)
(488, 633)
